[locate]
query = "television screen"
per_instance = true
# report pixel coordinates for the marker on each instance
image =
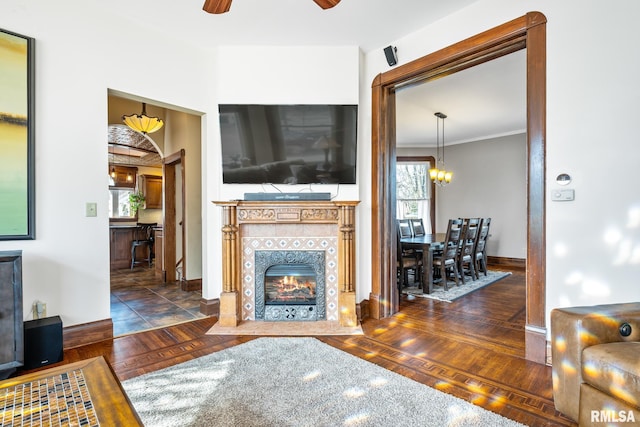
(288, 144)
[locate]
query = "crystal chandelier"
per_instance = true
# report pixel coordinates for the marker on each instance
(439, 174)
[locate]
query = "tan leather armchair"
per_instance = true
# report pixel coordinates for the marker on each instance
(596, 362)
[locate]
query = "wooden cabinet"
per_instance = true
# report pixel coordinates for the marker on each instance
(151, 186)
(120, 246)
(123, 176)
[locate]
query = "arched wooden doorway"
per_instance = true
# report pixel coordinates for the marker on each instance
(528, 32)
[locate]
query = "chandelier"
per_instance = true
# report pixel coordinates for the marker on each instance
(143, 123)
(439, 174)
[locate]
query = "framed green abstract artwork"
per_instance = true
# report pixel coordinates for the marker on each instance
(17, 135)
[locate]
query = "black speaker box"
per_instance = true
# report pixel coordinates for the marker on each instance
(390, 53)
(42, 342)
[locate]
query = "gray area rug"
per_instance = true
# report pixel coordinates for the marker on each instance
(456, 292)
(294, 382)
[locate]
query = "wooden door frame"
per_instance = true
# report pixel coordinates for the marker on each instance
(528, 31)
(169, 221)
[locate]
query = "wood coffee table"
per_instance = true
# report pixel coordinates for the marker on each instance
(83, 393)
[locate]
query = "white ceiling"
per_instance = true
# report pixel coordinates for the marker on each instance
(369, 24)
(482, 102)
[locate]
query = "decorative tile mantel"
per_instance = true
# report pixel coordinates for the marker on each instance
(244, 219)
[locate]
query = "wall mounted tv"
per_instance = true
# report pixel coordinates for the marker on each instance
(288, 144)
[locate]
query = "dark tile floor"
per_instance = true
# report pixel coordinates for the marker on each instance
(140, 301)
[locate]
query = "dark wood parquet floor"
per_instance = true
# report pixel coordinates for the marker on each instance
(472, 348)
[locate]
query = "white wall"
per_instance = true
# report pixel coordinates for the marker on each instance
(277, 75)
(79, 56)
(489, 180)
(593, 243)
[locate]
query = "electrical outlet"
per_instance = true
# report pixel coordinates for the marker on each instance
(39, 310)
(42, 310)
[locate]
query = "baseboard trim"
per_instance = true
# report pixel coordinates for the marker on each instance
(519, 263)
(210, 307)
(535, 339)
(191, 285)
(87, 333)
(362, 310)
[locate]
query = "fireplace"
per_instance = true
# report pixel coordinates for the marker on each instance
(290, 285)
(299, 228)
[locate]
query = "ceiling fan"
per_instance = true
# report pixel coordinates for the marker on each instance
(222, 6)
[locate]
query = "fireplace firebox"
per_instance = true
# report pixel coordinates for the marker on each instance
(293, 284)
(290, 285)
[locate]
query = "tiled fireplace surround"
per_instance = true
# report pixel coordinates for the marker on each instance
(251, 226)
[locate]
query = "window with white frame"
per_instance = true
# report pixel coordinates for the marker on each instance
(413, 196)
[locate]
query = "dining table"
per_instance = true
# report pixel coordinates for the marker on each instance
(428, 244)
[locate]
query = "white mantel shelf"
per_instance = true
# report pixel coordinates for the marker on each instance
(239, 212)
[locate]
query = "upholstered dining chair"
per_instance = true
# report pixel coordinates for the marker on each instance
(480, 251)
(448, 258)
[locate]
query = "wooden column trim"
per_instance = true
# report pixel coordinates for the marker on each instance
(346, 266)
(230, 300)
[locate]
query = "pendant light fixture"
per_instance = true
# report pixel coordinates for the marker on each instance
(143, 123)
(439, 174)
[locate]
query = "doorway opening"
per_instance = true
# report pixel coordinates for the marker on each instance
(158, 292)
(528, 32)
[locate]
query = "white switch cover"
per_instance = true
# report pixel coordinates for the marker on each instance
(564, 195)
(92, 209)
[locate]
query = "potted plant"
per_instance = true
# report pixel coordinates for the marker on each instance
(136, 201)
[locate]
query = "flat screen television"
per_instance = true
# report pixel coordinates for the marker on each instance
(288, 144)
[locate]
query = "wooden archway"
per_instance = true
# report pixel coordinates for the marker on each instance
(528, 31)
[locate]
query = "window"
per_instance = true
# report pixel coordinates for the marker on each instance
(413, 191)
(119, 206)
(122, 183)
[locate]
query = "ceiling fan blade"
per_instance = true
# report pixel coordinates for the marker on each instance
(217, 6)
(326, 4)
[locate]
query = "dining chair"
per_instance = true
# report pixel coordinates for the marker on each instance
(480, 251)
(404, 228)
(408, 261)
(142, 236)
(448, 258)
(466, 256)
(417, 226)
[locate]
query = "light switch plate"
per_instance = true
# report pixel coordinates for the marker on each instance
(563, 195)
(91, 209)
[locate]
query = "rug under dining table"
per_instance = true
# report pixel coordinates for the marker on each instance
(455, 292)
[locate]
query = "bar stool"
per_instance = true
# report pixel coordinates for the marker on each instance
(143, 236)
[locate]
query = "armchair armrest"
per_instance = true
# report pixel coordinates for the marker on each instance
(575, 328)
